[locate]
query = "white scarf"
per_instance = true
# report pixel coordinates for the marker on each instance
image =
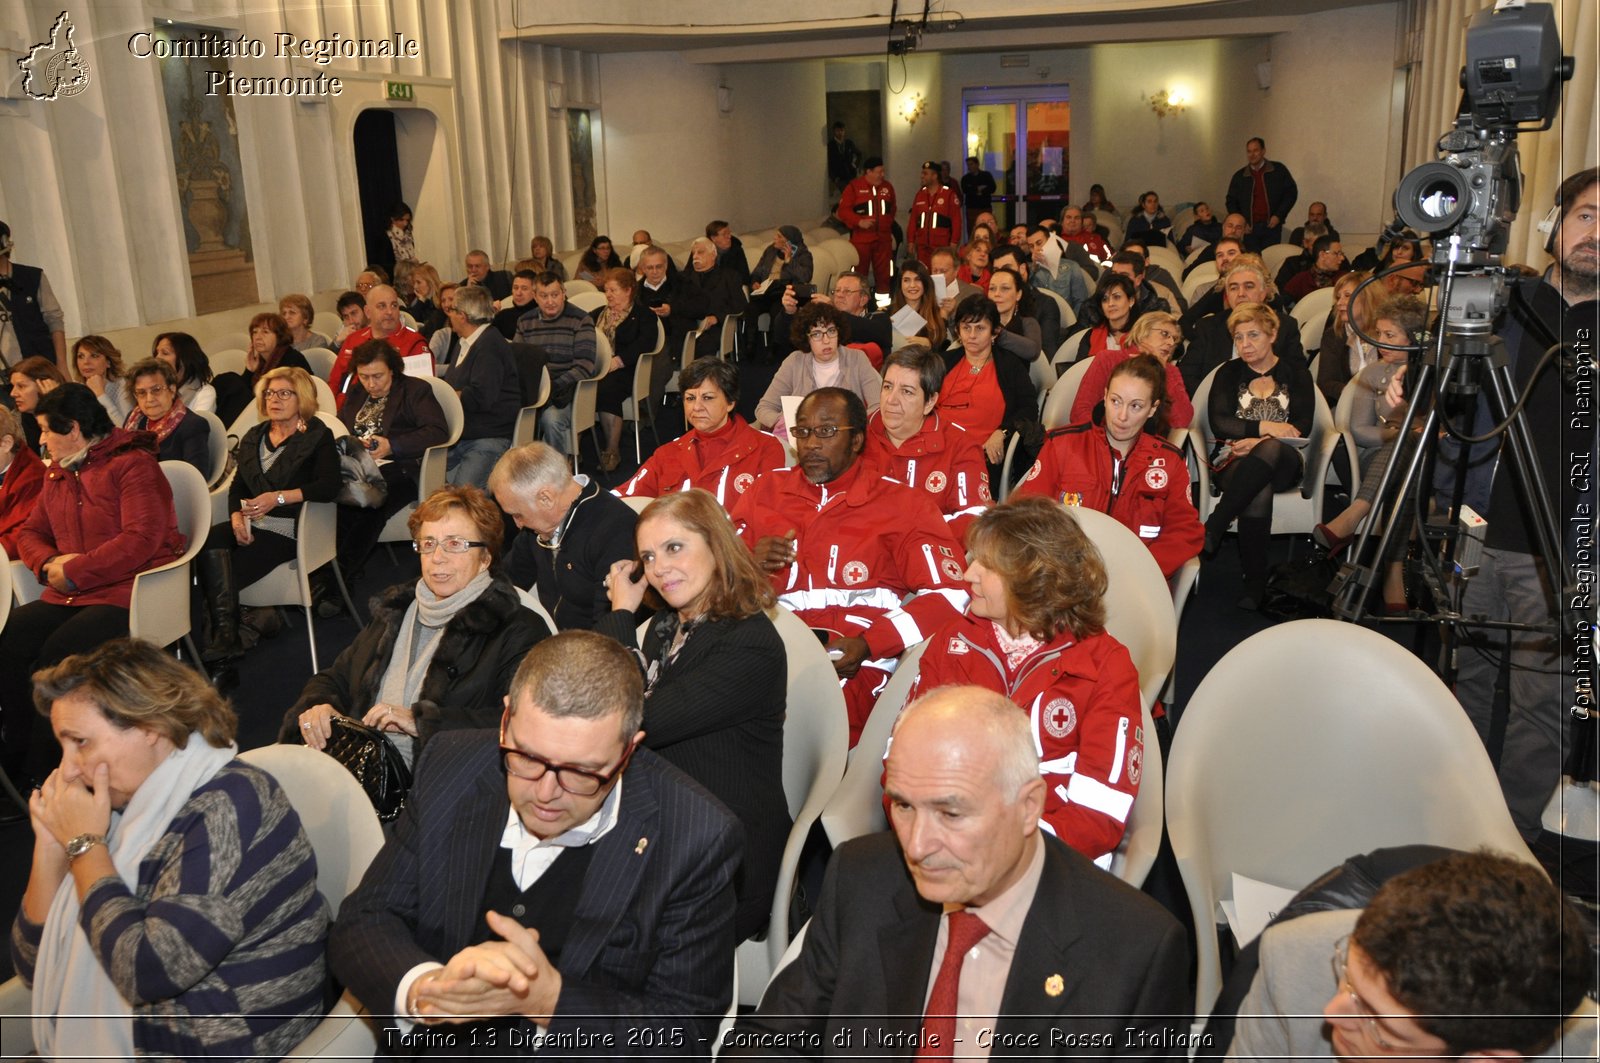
(68, 982)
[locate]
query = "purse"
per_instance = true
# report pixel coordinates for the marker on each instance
(374, 761)
(364, 485)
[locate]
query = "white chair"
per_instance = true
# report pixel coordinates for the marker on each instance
(1166, 258)
(24, 587)
(530, 601)
(1298, 509)
(158, 610)
(1308, 743)
(527, 426)
(816, 738)
(856, 807)
(435, 460)
(321, 360)
(1135, 854)
(5, 588)
(1180, 225)
(1203, 277)
(728, 339)
(637, 503)
(1275, 256)
(636, 407)
(685, 356)
(1311, 314)
(589, 301)
(577, 287)
(1043, 375)
(325, 398)
(345, 835)
(1138, 601)
(1182, 583)
(583, 401)
(1067, 353)
(1341, 423)
(290, 582)
(1068, 318)
(1058, 405)
(230, 360)
(217, 446)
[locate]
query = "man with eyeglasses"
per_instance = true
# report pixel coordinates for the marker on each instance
(849, 296)
(552, 886)
(844, 545)
(1471, 956)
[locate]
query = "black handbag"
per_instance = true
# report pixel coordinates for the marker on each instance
(374, 761)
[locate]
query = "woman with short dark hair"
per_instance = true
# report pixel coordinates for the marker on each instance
(157, 407)
(31, 380)
(193, 369)
(632, 331)
(987, 389)
(271, 345)
(821, 334)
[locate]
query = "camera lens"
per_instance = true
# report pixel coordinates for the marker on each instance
(1432, 198)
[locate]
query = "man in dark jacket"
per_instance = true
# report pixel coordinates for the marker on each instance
(485, 377)
(1264, 192)
(730, 250)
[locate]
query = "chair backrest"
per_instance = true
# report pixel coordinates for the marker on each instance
(1311, 313)
(431, 471)
(577, 287)
(5, 588)
(637, 503)
(603, 353)
(641, 380)
(1166, 258)
(228, 360)
(1325, 723)
(816, 729)
(528, 417)
(1138, 600)
(321, 360)
(1068, 318)
(856, 807)
(1276, 255)
(1203, 277)
(531, 601)
(216, 446)
(1058, 407)
(1135, 855)
(530, 360)
(325, 397)
(1043, 375)
(334, 811)
(589, 301)
(191, 501)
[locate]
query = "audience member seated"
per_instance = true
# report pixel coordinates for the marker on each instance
(1233, 228)
(484, 377)
(1295, 265)
(916, 290)
(21, 477)
(1328, 266)
(1204, 229)
(1344, 354)
(679, 306)
(1213, 300)
(1152, 293)
(1108, 317)
(542, 256)
(720, 453)
(172, 908)
(370, 278)
(1375, 419)
(298, 313)
(1039, 309)
(715, 675)
(899, 915)
(439, 652)
(730, 251)
(352, 310)
(425, 308)
(1475, 955)
(397, 418)
(718, 290)
(786, 261)
(1034, 632)
(1158, 334)
(1047, 261)
(605, 943)
(1150, 222)
(1316, 214)
(97, 364)
(285, 460)
(1211, 343)
(566, 335)
(850, 298)
(271, 347)
(103, 516)
(189, 364)
(1073, 231)
(572, 532)
(633, 332)
(975, 265)
(1119, 462)
(1258, 403)
(152, 388)
(823, 361)
(383, 308)
(596, 260)
(909, 441)
(1097, 200)
(844, 546)
(987, 387)
(31, 380)
(496, 281)
(1009, 291)
(505, 320)
(444, 345)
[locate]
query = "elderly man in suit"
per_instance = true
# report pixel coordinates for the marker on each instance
(556, 886)
(968, 929)
(484, 375)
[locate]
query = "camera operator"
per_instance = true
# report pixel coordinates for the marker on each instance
(1511, 584)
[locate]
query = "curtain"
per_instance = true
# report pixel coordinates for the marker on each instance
(1436, 50)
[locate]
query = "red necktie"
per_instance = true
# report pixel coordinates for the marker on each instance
(939, 1020)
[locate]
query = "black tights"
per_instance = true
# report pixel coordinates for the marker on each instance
(1248, 485)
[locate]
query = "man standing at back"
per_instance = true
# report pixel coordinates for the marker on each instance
(977, 191)
(867, 208)
(969, 931)
(933, 215)
(1264, 192)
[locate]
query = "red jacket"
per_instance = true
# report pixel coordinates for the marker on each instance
(1149, 493)
(726, 463)
(863, 199)
(863, 543)
(1093, 243)
(114, 511)
(23, 479)
(942, 458)
(406, 340)
(933, 212)
(1083, 699)
(1092, 389)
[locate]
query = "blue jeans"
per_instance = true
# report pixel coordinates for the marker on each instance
(555, 426)
(471, 460)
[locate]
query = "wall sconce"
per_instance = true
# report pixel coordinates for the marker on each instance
(912, 108)
(555, 95)
(725, 99)
(1164, 103)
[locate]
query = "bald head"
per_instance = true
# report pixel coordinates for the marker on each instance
(383, 311)
(1234, 225)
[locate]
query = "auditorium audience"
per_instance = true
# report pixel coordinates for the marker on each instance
(822, 359)
(444, 345)
(566, 335)
(1327, 266)
(152, 389)
(975, 265)
(182, 352)
(987, 387)
(1205, 229)
(1108, 316)
(485, 378)
(1344, 354)
(1041, 309)
(1097, 200)
(424, 306)
(21, 478)
(730, 251)
(496, 281)
(715, 674)
(1012, 297)
(97, 364)
(719, 453)
(719, 292)
(1211, 341)
(1150, 222)
(676, 303)
(596, 260)
(542, 258)
(298, 313)
(31, 379)
(383, 306)
(916, 290)
(271, 347)
(1157, 334)
(506, 318)
(632, 331)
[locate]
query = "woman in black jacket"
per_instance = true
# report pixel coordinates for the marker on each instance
(716, 674)
(286, 460)
(439, 653)
(180, 434)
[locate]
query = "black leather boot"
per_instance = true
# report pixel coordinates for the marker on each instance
(222, 606)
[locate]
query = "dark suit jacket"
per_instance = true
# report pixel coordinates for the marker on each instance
(498, 282)
(571, 581)
(491, 391)
(412, 421)
(1122, 959)
(652, 936)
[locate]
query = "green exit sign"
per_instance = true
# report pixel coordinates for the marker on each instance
(399, 90)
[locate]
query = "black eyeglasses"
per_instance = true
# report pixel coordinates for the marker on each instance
(579, 782)
(822, 431)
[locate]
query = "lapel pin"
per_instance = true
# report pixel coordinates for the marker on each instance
(1055, 985)
(639, 849)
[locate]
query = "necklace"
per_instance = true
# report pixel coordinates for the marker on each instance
(977, 367)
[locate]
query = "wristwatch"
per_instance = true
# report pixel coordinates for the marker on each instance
(82, 844)
(281, 502)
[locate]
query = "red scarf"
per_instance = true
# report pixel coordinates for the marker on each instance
(162, 428)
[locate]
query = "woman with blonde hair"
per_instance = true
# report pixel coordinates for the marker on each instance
(1158, 334)
(424, 305)
(715, 673)
(97, 363)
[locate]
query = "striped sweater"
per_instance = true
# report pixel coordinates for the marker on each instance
(220, 950)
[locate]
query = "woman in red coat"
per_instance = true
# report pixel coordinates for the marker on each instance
(21, 476)
(103, 516)
(1157, 333)
(1035, 632)
(1125, 466)
(720, 453)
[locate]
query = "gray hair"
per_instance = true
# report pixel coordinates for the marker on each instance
(974, 711)
(475, 304)
(523, 470)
